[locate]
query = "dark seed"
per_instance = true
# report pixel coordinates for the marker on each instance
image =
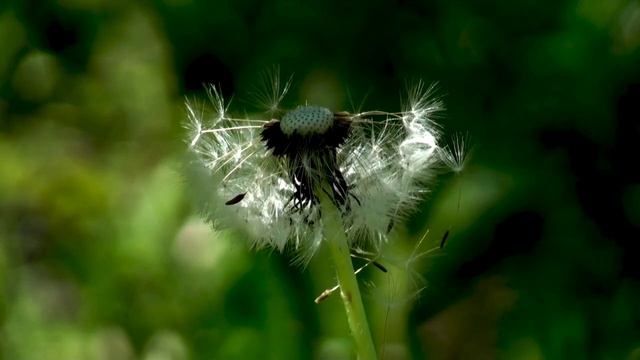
(236, 199)
(389, 226)
(379, 266)
(444, 239)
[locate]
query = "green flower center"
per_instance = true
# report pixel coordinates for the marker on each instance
(307, 120)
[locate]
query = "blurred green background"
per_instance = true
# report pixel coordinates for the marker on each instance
(103, 256)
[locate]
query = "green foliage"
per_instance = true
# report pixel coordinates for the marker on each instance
(103, 256)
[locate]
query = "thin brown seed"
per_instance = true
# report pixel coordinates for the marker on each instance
(444, 239)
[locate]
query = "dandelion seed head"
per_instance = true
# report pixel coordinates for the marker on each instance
(374, 165)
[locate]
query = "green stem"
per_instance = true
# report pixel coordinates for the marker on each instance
(349, 291)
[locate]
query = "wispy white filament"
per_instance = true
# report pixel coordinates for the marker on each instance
(387, 161)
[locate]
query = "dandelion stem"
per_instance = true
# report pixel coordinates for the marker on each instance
(349, 291)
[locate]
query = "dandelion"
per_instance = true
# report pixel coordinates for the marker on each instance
(269, 174)
(308, 176)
